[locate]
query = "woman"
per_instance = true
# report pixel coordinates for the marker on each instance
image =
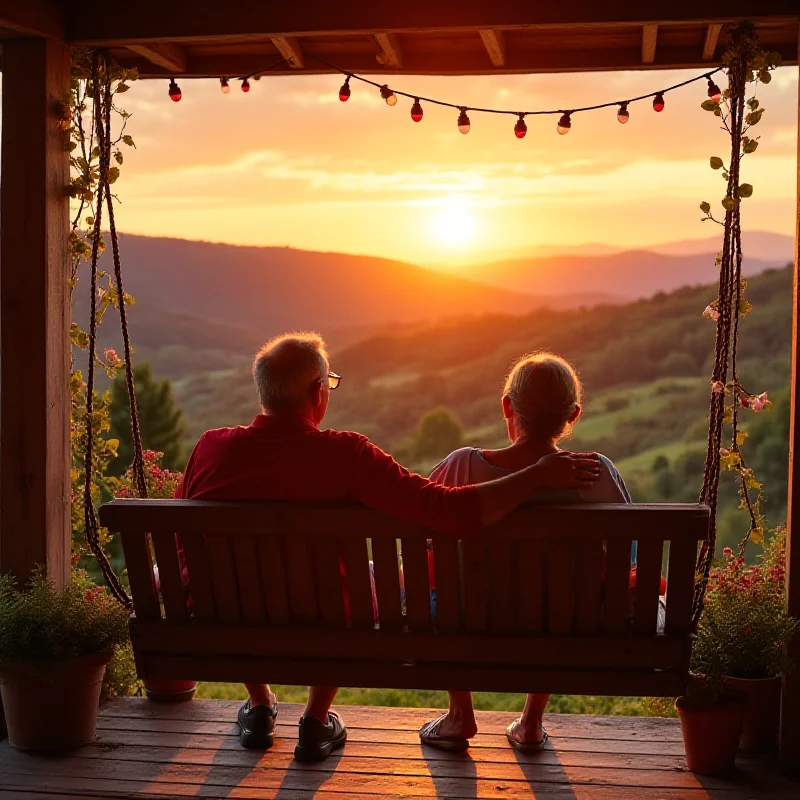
(541, 403)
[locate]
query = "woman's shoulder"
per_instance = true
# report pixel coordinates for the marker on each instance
(609, 488)
(453, 469)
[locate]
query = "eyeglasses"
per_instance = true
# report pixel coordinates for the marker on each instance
(334, 380)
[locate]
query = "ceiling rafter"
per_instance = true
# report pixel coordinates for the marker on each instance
(391, 55)
(649, 41)
(495, 43)
(169, 56)
(712, 39)
(289, 47)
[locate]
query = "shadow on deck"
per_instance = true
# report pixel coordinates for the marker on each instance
(146, 750)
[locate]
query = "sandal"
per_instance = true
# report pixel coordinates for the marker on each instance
(525, 747)
(429, 734)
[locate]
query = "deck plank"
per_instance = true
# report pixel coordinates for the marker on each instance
(150, 751)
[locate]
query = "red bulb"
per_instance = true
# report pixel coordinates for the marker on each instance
(520, 128)
(344, 92)
(174, 91)
(416, 111)
(658, 102)
(714, 92)
(245, 85)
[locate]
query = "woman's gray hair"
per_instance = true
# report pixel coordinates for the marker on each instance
(544, 391)
(286, 367)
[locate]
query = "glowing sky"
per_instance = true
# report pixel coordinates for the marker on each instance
(289, 164)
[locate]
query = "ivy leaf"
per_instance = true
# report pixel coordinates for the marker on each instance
(751, 145)
(122, 87)
(764, 76)
(718, 260)
(752, 103)
(709, 105)
(717, 112)
(746, 190)
(716, 162)
(727, 417)
(757, 535)
(705, 207)
(128, 140)
(754, 117)
(728, 203)
(741, 437)
(118, 157)
(113, 174)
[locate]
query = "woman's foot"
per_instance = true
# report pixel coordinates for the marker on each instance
(526, 737)
(447, 734)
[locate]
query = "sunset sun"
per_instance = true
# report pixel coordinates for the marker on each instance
(453, 226)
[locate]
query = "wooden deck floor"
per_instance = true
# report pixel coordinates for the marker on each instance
(146, 750)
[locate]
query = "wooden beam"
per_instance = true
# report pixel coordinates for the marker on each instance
(290, 49)
(34, 17)
(34, 312)
(649, 40)
(390, 56)
(169, 56)
(712, 39)
(153, 20)
(790, 706)
(495, 44)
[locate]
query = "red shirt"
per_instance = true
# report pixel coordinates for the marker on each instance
(280, 458)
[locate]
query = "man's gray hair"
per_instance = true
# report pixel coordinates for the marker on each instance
(285, 368)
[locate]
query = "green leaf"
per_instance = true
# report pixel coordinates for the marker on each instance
(752, 103)
(717, 112)
(709, 105)
(113, 174)
(118, 157)
(716, 162)
(128, 140)
(122, 87)
(746, 190)
(751, 145)
(764, 76)
(705, 207)
(754, 117)
(728, 203)
(745, 307)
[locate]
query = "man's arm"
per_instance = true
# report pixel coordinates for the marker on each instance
(562, 470)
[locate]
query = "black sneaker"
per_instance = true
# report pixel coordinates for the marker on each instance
(316, 741)
(257, 726)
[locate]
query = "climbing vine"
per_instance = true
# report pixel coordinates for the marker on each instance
(747, 66)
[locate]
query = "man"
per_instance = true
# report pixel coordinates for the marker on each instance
(283, 455)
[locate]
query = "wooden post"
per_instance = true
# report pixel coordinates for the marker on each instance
(790, 709)
(34, 312)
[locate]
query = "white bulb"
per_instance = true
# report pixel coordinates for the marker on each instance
(391, 100)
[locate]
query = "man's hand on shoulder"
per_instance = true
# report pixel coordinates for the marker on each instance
(565, 470)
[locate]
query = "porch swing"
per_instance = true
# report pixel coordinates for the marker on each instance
(539, 602)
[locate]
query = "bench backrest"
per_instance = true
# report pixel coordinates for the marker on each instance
(544, 570)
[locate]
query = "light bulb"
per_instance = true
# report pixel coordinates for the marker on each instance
(174, 91)
(463, 121)
(344, 92)
(564, 124)
(714, 91)
(658, 102)
(416, 110)
(623, 115)
(388, 95)
(245, 85)
(224, 86)
(520, 128)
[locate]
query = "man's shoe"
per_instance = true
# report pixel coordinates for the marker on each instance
(317, 741)
(257, 726)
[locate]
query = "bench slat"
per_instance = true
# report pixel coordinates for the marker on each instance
(330, 583)
(416, 581)
(387, 583)
(359, 587)
(589, 586)
(648, 578)
(169, 575)
(474, 579)
(501, 586)
(445, 567)
(202, 589)
(223, 577)
(248, 579)
(273, 579)
(618, 570)
(680, 586)
(531, 584)
(136, 547)
(300, 578)
(560, 582)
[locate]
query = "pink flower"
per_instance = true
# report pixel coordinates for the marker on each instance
(727, 551)
(718, 387)
(711, 313)
(724, 452)
(111, 357)
(760, 402)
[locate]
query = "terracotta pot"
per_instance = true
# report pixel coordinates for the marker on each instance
(170, 691)
(711, 732)
(51, 708)
(760, 731)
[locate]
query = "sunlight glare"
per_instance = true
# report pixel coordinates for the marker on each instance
(453, 226)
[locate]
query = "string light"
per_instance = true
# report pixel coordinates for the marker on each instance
(623, 115)
(520, 128)
(388, 95)
(416, 110)
(658, 102)
(344, 91)
(224, 86)
(714, 91)
(564, 124)
(174, 91)
(463, 121)
(245, 85)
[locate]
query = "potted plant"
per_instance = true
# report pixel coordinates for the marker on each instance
(54, 647)
(162, 483)
(747, 612)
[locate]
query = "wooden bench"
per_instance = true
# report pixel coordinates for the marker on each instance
(539, 602)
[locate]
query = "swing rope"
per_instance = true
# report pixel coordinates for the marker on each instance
(102, 102)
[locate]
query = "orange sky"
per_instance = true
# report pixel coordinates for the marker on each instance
(289, 164)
